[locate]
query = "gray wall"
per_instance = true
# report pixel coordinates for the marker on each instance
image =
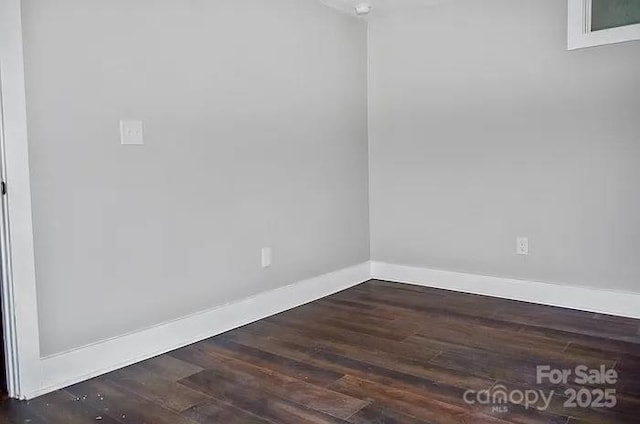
(483, 127)
(256, 135)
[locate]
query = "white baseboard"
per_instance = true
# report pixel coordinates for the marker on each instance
(609, 302)
(71, 367)
(80, 364)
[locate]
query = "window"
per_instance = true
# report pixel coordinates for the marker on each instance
(598, 22)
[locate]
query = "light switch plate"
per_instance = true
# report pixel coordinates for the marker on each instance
(131, 132)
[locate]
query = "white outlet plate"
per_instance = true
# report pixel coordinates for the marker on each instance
(522, 246)
(267, 257)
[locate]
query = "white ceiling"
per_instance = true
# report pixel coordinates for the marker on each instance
(380, 6)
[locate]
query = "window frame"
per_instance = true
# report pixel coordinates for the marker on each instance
(579, 28)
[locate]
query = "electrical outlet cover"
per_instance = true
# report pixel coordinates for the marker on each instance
(522, 246)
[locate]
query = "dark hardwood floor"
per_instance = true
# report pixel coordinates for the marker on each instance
(380, 353)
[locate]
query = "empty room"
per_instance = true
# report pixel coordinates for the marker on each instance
(320, 211)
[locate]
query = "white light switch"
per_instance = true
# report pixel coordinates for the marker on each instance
(131, 132)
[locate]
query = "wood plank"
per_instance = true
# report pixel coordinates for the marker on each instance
(223, 364)
(169, 367)
(217, 411)
(293, 345)
(62, 407)
(123, 405)
(166, 393)
(255, 401)
(408, 403)
(380, 415)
